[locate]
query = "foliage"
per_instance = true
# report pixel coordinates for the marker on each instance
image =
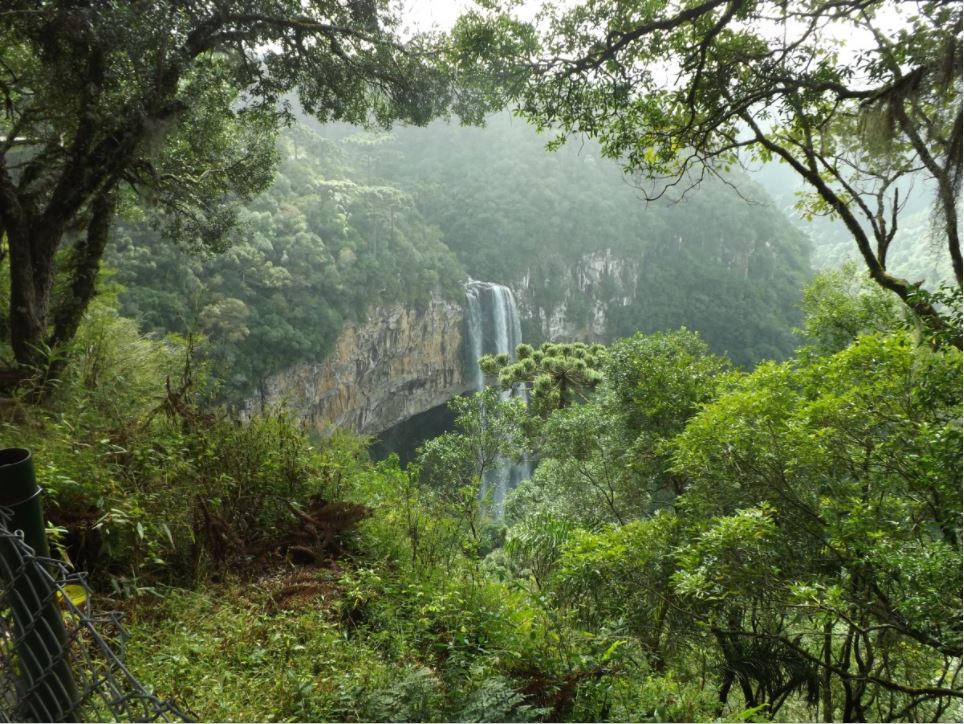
(458, 465)
(177, 103)
(541, 223)
(349, 224)
(696, 544)
(320, 248)
(812, 504)
(660, 380)
(622, 573)
(606, 460)
(583, 471)
(682, 91)
(840, 307)
(233, 655)
(496, 700)
(553, 376)
(851, 463)
(150, 481)
(948, 300)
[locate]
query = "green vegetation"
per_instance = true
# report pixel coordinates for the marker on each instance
(553, 376)
(318, 248)
(148, 483)
(174, 106)
(696, 542)
(680, 91)
(726, 263)
(358, 220)
(727, 518)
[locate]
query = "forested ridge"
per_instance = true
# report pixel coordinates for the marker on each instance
(744, 493)
(727, 259)
(323, 245)
(355, 220)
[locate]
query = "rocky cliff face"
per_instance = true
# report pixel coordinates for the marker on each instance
(394, 365)
(401, 362)
(578, 307)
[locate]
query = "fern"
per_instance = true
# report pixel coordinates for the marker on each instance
(408, 698)
(496, 701)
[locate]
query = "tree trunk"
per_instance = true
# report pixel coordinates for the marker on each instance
(925, 311)
(826, 695)
(83, 267)
(724, 693)
(37, 324)
(31, 280)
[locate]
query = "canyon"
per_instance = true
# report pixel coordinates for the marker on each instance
(402, 361)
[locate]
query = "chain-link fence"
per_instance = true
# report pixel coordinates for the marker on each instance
(58, 660)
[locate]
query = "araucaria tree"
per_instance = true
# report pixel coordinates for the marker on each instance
(174, 103)
(859, 97)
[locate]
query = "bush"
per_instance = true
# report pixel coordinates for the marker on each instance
(148, 481)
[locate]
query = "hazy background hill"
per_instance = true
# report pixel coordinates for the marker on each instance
(356, 220)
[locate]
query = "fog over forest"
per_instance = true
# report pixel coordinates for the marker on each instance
(589, 360)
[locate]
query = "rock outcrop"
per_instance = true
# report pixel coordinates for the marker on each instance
(401, 361)
(397, 363)
(590, 289)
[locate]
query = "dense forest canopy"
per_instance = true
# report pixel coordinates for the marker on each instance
(726, 263)
(742, 497)
(323, 245)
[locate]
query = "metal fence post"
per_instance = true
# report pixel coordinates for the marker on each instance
(49, 693)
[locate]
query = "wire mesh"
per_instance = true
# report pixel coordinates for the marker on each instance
(58, 660)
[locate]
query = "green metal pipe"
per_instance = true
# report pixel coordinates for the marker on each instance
(47, 689)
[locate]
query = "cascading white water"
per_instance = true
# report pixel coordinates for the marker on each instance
(492, 323)
(473, 335)
(493, 327)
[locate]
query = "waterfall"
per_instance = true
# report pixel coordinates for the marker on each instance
(492, 326)
(473, 336)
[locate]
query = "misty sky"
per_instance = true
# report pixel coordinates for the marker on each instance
(423, 14)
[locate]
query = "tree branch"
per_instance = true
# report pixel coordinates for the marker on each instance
(904, 289)
(596, 57)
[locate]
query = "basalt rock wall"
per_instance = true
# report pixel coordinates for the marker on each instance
(401, 362)
(575, 305)
(396, 364)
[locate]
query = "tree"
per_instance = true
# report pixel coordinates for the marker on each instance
(314, 254)
(457, 464)
(555, 375)
(840, 307)
(825, 529)
(607, 458)
(684, 89)
(174, 103)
